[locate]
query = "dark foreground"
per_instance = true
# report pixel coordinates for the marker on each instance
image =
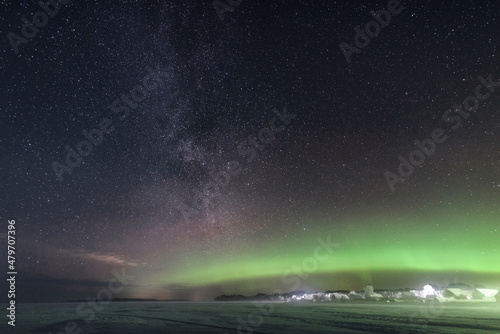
(227, 317)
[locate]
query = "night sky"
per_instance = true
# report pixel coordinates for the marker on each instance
(207, 156)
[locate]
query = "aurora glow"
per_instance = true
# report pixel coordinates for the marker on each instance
(428, 248)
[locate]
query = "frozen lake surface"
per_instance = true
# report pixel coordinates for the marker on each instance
(226, 317)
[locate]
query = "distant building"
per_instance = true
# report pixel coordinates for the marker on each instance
(338, 297)
(407, 296)
(354, 296)
(456, 293)
(485, 294)
(305, 296)
(321, 297)
(374, 296)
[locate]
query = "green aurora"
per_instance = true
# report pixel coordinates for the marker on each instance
(442, 244)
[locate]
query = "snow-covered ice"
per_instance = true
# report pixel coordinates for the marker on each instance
(226, 317)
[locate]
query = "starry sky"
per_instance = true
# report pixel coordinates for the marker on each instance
(207, 151)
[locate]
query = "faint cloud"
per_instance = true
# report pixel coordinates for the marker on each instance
(106, 258)
(109, 259)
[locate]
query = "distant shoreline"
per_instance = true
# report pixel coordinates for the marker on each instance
(112, 300)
